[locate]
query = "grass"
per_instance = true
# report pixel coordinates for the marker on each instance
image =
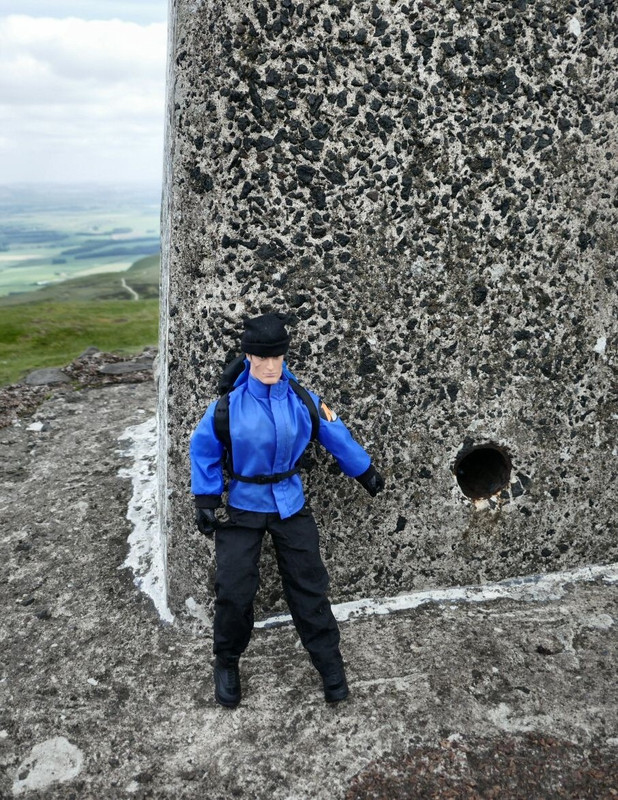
(50, 334)
(52, 326)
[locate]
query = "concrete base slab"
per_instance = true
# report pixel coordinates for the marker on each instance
(453, 685)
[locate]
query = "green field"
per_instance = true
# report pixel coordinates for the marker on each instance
(79, 267)
(142, 278)
(50, 234)
(52, 326)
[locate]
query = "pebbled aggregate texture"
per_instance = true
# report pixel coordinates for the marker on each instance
(430, 189)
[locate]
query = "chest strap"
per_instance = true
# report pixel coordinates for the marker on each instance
(277, 477)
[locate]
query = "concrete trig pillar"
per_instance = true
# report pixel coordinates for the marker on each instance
(430, 188)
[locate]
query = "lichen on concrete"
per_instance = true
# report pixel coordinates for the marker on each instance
(428, 188)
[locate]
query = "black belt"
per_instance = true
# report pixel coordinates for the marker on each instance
(263, 479)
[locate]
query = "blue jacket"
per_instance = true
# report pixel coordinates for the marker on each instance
(270, 428)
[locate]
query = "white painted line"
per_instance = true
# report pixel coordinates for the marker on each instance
(146, 547)
(531, 588)
(147, 556)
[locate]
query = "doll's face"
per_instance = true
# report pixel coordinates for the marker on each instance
(266, 370)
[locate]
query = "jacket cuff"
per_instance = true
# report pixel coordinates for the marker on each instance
(366, 476)
(207, 500)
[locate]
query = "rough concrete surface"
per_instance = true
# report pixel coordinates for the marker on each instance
(430, 188)
(451, 700)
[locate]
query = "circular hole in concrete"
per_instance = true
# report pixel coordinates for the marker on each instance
(483, 471)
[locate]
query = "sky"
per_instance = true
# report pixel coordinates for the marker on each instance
(82, 91)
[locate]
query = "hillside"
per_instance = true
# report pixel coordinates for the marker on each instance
(55, 233)
(142, 277)
(53, 325)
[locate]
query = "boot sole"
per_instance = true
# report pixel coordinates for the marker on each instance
(337, 696)
(226, 703)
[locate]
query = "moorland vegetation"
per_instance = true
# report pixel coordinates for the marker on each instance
(115, 312)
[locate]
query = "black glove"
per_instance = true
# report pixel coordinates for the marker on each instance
(371, 480)
(206, 520)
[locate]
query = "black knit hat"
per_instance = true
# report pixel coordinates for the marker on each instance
(266, 335)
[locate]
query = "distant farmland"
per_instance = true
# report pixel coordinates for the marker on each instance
(79, 267)
(48, 236)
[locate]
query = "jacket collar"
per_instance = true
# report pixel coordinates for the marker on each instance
(263, 390)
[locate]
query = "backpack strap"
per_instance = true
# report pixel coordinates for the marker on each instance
(313, 412)
(229, 374)
(222, 422)
(276, 477)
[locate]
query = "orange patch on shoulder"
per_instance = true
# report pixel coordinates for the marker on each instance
(329, 415)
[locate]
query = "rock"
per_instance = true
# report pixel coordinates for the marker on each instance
(35, 426)
(125, 367)
(46, 376)
(39, 426)
(89, 351)
(53, 761)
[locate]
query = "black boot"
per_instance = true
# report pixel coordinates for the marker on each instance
(335, 684)
(227, 681)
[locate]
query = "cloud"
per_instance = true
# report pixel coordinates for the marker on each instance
(81, 99)
(136, 10)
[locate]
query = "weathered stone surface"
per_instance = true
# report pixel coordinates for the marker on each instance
(428, 187)
(19, 399)
(88, 353)
(125, 367)
(456, 685)
(51, 762)
(48, 375)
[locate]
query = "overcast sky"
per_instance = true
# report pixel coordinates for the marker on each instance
(82, 88)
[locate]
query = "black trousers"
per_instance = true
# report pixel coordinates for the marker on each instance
(304, 577)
